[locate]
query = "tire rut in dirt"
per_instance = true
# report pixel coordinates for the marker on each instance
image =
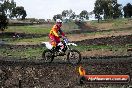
(58, 75)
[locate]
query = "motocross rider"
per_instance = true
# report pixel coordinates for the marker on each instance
(54, 33)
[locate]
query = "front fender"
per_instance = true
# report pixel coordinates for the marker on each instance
(73, 44)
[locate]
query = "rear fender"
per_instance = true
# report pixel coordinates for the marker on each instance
(47, 45)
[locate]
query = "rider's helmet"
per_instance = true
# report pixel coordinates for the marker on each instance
(58, 21)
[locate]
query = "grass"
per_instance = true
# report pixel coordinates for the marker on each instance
(115, 23)
(69, 26)
(28, 29)
(45, 28)
(40, 29)
(36, 52)
(25, 53)
(120, 23)
(12, 40)
(34, 29)
(107, 32)
(30, 40)
(98, 47)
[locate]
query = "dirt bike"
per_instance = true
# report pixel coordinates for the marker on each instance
(63, 48)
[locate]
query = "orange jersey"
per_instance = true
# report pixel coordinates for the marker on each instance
(54, 31)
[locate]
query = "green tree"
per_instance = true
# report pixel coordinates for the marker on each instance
(127, 10)
(19, 12)
(65, 13)
(117, 11)
(8, 6)
(108, 8)
(73, 15)
(3, 18)
(98, 10)
(58, 16)
(24, 14)
(3, 21)
(84, 15)
(68, 14)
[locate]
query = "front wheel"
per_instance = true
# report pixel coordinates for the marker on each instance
(47, 56)
(74, 57)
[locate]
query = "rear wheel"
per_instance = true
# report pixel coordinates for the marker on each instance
(47, 56)
(74, 57)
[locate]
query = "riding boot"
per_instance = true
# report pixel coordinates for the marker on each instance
(53, 49)
(57, 48)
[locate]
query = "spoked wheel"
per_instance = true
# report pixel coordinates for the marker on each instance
(74, 57)
(47, 56)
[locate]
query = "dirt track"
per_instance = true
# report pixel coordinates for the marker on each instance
(60, 74)
(114, 40)
(36, 74)
(15, 73)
